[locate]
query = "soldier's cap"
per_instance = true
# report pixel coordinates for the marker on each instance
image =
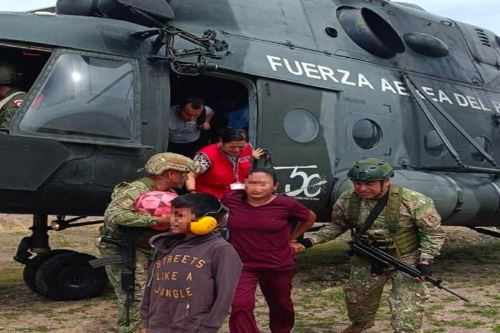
(159, 163)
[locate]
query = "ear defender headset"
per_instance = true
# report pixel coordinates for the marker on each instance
(207, 223)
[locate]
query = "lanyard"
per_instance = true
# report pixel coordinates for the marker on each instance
(236, 164)
(236, 168)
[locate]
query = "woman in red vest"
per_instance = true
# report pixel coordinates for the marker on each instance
(223, 166)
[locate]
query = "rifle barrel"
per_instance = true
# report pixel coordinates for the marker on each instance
(373, 253)
(453, 293)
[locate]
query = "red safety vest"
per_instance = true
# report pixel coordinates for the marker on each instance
(222, 173)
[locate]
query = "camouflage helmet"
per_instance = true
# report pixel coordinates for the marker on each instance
(159, 163)
(370, 169)
(8, 73)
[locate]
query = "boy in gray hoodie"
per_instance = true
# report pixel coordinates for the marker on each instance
(195, 271)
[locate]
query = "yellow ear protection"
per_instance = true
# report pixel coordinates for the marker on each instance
(203, 225)
(206, 224)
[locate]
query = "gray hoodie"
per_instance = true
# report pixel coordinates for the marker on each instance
(191, 284)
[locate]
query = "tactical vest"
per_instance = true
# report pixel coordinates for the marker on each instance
(398, 241)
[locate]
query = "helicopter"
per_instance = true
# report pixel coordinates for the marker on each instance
(326, 83)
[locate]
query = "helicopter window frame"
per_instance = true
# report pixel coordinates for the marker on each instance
(134, 140)
(433, 144)
(485, 143)
(367, 143)
(303, 131)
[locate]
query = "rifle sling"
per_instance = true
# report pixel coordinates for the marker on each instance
(374, 213)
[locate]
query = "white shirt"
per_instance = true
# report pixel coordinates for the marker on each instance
(181, 131)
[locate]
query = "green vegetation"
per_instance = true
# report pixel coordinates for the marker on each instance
(463, 323)
(481, 252)
(334, 295)
(323, 255)
(40, 328)
(321, 323)
(10, 276)
(12, 315)
(450, 299)
(435, 330)
(486, 311)
(434, 307)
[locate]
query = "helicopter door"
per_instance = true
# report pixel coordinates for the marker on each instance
(295, 123)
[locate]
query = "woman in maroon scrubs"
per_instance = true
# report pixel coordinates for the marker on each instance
(264, 228)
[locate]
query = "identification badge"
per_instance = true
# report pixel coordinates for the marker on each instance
(237, 186)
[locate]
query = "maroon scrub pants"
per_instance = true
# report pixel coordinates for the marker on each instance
(277, 289)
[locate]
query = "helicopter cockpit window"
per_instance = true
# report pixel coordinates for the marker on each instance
(366, 133)
(84, 96)
(301, 125)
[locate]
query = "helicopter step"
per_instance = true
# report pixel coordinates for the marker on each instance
(58, 274)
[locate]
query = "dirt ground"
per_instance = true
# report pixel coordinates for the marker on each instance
(469, 265)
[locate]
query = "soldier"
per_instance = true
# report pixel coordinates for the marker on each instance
(11, 98)
(165, 171)
(408, 227)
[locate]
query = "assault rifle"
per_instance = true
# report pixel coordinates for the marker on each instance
(361, 248)
(127, 256)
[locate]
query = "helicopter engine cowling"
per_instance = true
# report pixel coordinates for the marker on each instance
(461, 199)
(148, 12)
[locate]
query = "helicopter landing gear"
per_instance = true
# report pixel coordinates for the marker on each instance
(58, 274)
(68, 276)
(32, 266)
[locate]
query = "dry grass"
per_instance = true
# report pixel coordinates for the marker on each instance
(469, 265)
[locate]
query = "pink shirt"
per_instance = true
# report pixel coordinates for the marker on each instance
(261, 234)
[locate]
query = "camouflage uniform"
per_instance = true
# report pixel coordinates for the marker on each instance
(364, 289)
(120, 211)
(11, 103)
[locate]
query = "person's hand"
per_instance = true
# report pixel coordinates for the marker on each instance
(306, 242)
(296, 247)
(257, 153)
(205, 126)
(425, 268)
(143, 330)
(162, 223)
(163, 219)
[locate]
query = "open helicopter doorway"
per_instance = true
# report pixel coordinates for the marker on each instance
(26, 61)
(19, 67)
(229, 97)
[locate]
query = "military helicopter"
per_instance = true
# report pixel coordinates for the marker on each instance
(326, 83)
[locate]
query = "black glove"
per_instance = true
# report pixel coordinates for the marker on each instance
(425, 268)
(307, 242)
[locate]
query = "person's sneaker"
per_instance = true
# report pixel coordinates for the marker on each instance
(358, 327)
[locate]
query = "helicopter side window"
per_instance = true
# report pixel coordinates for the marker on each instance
(483, 143)
(301, 125)
(84, 96)
(366, 133)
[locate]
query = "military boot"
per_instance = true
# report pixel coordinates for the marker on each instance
(358, 327)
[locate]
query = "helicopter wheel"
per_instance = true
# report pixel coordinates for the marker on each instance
(69, 276)
(32, 267)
